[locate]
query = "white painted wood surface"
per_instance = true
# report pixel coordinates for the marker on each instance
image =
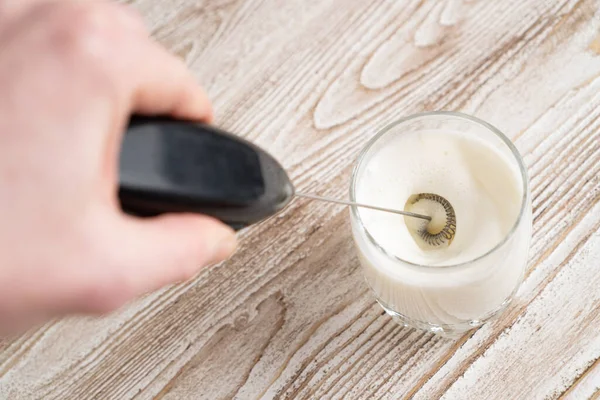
(290, 316)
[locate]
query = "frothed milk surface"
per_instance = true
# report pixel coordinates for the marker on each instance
(486, 190)
(476, 179)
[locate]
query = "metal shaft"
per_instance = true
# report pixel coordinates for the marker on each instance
(351, 203)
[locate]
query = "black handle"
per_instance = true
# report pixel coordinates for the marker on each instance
(169, 165)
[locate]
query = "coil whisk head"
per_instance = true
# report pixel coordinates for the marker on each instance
(440, 230)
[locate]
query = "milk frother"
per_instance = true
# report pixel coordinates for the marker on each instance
(168, 165)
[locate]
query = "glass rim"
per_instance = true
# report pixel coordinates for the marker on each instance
(386, 129)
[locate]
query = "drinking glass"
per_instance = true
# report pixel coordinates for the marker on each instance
(448, 299)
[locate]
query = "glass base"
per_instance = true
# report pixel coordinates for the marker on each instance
(453, 331)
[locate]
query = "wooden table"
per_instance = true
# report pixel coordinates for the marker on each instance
(290, 316)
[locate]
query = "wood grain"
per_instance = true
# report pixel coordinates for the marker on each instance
(289, 316)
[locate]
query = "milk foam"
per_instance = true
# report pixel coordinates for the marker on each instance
(476, 179)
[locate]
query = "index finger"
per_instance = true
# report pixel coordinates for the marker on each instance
(158, 83)
(167, 86)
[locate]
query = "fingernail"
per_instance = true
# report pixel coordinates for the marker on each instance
(225, 247)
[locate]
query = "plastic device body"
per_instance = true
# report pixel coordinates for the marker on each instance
(170, 165)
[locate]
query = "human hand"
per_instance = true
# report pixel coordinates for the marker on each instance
(71, 74)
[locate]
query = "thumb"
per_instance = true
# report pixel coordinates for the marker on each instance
(167, 249)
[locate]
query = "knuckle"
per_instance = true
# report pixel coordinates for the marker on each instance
(190, 266)
(78, 27)
(92, 28)
(188, 271)
(106, 295)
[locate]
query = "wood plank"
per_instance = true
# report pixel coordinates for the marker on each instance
(587, 385)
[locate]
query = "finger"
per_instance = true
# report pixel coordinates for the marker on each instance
(130, 257)
(155, 82)
(166, 86)
(158, 251)
(15, 10)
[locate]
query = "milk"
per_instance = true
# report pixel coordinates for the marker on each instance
(457, 286)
